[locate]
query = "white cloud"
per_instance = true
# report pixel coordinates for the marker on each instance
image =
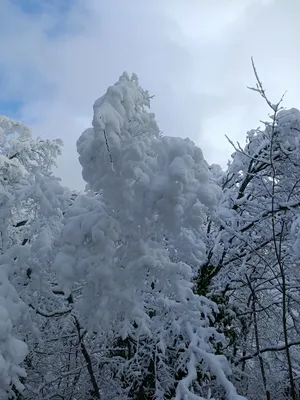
(193, 55)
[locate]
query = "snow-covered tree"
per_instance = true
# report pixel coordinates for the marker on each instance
(31, 208)
(167, 279)
(251, 268)
(129, 252)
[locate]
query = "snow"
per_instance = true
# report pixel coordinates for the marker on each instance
(290, 116)
(32, 201)
(12, 353)
(151, 187)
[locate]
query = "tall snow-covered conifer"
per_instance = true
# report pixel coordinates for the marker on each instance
(129, 252)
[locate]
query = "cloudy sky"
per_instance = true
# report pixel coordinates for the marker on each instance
(59, 56)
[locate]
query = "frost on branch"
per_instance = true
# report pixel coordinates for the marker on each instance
(12, 350)
(253, 260)
(31, 203)
(133, 249)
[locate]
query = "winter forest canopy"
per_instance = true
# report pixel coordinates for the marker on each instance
(168, 278)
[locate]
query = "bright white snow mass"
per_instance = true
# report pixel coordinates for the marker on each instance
(137, 245)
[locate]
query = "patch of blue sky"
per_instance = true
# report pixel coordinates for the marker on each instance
(33, 7)
(11, 108)
(36, 7)
(18, 87)
(22, 85)
(58, 10)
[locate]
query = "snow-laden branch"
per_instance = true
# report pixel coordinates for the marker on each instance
(268, 349)
(49, 314)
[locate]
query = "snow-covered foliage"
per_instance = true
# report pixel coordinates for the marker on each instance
(31, 203)
(253, 253)
(167, 279)
(12, 350)
(128, 255)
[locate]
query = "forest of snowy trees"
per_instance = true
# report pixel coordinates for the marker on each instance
(167, 278)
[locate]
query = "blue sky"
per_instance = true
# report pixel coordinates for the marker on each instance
(35, 7)
(30, 11)
(57, 9)
(58, 56)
